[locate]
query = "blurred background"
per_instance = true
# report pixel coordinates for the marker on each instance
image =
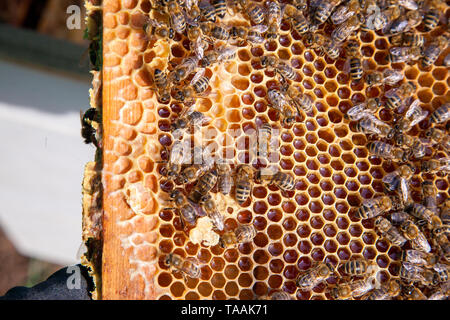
(44, 83)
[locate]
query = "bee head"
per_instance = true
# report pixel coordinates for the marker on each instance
(164, 98)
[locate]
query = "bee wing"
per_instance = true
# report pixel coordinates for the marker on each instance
(390, 178)
(439, 267)
(340, 14)
(408, 4)
(390, 93)
(396, 26)
(198, 48)
(398, 51)
(261, 28)
(198, 75)
(226, 52)
(190, 3)
(404, 190)
(392, 76)
(367, 126)
(217, 219)
(399, 217)
(417, 112)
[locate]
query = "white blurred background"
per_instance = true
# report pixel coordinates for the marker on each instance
(44, 83)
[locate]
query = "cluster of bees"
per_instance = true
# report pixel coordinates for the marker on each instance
(212, 41)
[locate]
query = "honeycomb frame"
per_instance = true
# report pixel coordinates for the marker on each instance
(329, 159)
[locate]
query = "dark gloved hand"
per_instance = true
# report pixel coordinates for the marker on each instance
(69, 283)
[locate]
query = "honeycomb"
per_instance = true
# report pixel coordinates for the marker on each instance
(333, 169)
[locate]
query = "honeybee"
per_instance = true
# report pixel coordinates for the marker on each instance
(325, 44)
(300, 4)
(298, 21)
(179, 154)
(298, 99)
(283, 69)
(157, 30)
(440, 240)
(88, 130)
(324, 9)
(244, 177)
(221, 55)
(438, 136)
(210, 209)
(187, 212)
(358, 267)
(370, 124)
(413, 293)
(397, 96)
(436, 165)
(208, 12)
(199, 42)
(385, 17)
(433, 51)
(243, 234)
(193, 12)
(204, 184)
(194, 171)
(363, 109)
(282, 180)
(189, 118)
(253, 34)
(344, 11)
(412, 273)
(310, 278)
(280, 102)
(274, 16)
(418, 257)
(445, 212)
(422, 213)
(345, 29)
(398, 180)
(176, 16)
(387, 76)
(404, 23)
(441, 114)
(354, 63)
(254, 11)
(387, 291)
(429, 196)
(414, 147)
(353, 289)
(183, 70)
(387, 151)
(162, 85)
(408, 39)
(413, 116)
(404, 54)
(225, 179)
(371, 208)
(441, 293)
(390, 232)
(411, 232)
(442, 273)
(220, 7)
(433, 14)
(198, 85)
(188, 267)
(447, 60)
